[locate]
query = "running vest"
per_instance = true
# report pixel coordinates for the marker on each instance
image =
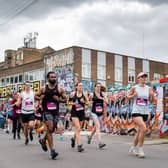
(49, 104)
(9, 109)
(28, 103)
(98, 104)
(79, 107)
(141, 102)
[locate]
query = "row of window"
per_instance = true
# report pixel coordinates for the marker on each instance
(37, 75)
(101, 67)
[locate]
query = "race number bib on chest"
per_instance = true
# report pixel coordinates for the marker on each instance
(51, 106)
(18, 111)
(28, 103)
(141, 102)
(79, 107)
(98, 109)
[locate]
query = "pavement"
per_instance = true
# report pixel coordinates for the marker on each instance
(14, 154)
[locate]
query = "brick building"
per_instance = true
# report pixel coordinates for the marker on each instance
(76, 63)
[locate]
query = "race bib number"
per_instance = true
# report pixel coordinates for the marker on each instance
(28, 103)
(141, 102)
(18, 111)
(79, 107)
(51, 106)
(38, 114)
(99, 109)
(61, 115)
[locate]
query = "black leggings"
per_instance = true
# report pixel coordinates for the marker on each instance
(16, 125)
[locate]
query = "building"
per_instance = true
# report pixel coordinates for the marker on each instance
(73, 64)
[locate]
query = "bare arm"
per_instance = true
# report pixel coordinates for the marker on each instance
(132, 93)
(151, 95)
(38, 94)
(105, 98)
(19, 100)
(86, 99)
(63, 96)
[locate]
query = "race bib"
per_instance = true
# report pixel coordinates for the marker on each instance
(28, 103)
(38, 114)
(141, 102)
(51, 106)
(18, 111)
(79, 107)
(61, 115)
(98, 109)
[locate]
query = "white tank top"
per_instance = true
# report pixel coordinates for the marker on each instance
(28, 103)
(141, 102)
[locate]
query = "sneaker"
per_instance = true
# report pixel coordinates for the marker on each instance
(53, 154)
(101, 145)
(18, 136)
(43, 145)
(141, 154)
(31, 135)
(89, 140)
(61, 138)
(80, 149)
(72, 142)
(133, 151)
(14, 136)
(26, 141)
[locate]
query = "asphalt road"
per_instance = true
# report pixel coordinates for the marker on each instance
(14, 154)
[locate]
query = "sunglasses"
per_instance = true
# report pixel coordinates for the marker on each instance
(143, 76)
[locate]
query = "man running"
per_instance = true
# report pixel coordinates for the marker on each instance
(141, 95)
(26, 100)
(51, 95)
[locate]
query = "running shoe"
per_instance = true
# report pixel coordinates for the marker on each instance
(43, 145)
(26, 141)
(31, 135)
(101, 145)
(141, 153)
(61, 138)
(18, 136)
(89, 140)
(133, 151)
(80, 149)
(53, 154)
(72, 142)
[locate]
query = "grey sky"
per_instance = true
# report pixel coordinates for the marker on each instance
(131, 27)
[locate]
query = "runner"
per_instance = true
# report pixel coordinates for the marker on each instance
(141, 95)
(98, 99)
(61, 122)
(38, 116)
(51, 95)
(9, 112)
(78, 99)
(26, 100)
(16, 115)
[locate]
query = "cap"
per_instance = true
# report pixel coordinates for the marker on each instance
(142, 74)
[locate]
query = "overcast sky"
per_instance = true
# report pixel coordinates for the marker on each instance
(131, 27)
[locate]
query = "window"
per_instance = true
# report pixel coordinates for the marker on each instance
(18, 56)
(156, 76)
(86, 64)
(101, 67)
(118, 69)
(131, 70)
(7, 81)
(11, 80)
(146, 67)
(16, 79)
(22, 55)
(20, 79)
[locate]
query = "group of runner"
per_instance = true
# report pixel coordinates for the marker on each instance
(44, 106)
